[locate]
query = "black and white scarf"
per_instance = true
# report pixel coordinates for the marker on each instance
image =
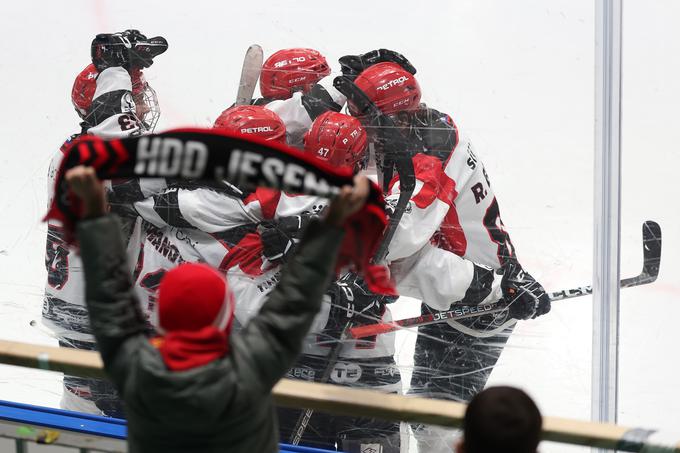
(210, 155)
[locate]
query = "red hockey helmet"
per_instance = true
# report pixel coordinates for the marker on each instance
(252, 119)
(337, 139)
(83, 89)
(391, 88)
(290, 70)
(146, 101)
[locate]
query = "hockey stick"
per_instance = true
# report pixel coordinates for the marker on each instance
(252, 66)
(407, 183)
(651, 249)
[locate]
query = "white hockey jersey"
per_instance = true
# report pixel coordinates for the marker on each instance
(444, 194)
(112, 114)
(452, 217)
(233, 222)
(64, 311)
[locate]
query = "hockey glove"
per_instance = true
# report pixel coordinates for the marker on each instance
(352, 302)
(318, 102)
(144, 49)
(480, 286)
(526, 297)
(279, 237)
(110, 50)
(353, 65)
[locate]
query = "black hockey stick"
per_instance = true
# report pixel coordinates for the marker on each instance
(407, 183)
(651, 249)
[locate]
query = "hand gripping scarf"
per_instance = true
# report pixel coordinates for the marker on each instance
(211, 155)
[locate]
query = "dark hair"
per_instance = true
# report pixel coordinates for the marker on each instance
(502, 420)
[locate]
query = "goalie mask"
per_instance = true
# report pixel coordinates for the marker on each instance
(338, 140)
(145, 99)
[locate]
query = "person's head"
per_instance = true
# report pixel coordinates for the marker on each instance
(194, 315)
(291, 70)
(338, 140)
(193, 296)
(145, 99)
(390, 87)
(501, 420)
(253, 120)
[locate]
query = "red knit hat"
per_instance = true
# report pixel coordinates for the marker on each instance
(192, 296)
(194, 316)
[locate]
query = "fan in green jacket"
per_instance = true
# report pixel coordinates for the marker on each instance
(196, 387)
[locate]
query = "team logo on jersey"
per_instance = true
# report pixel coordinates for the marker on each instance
(303, 372)
(389, 370)
(346, 373)
(371, 448)
(162, 244)
(269, 283)
(391, 206)
(127, 104)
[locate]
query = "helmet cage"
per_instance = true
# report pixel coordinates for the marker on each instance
(146, 103)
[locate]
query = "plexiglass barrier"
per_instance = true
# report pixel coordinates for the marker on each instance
(503, 129)
(648, 165)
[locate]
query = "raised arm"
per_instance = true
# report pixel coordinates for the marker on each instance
(115, 316)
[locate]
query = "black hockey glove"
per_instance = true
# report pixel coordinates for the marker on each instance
(110, 50)
(279, 237)
(144, 49)
(526, 297)
(318, 102)
(480, 286)
(353, 65)
(352, 301)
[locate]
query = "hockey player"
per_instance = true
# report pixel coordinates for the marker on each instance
(112, 99)
(452, 210)
(258, 232)
(340, 140)
(419, 272)
(237, 220)
(353, 302)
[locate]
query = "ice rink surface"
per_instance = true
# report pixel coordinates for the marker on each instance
(516, 76)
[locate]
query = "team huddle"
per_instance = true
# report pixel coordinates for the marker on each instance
(447, 246)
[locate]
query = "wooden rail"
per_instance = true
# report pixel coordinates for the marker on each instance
(346, 401)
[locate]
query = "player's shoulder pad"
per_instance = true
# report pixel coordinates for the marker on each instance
(112, 79)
